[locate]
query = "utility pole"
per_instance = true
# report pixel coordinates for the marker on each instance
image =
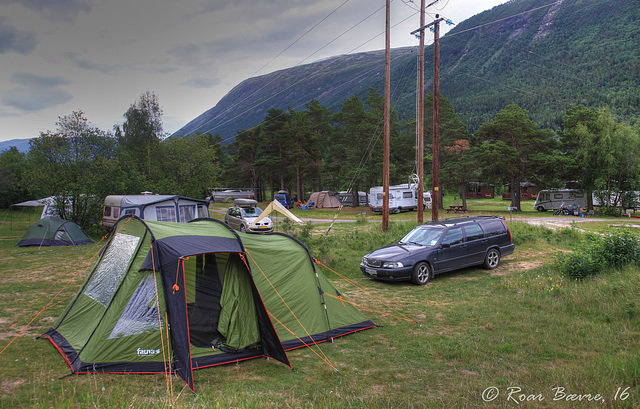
(420, 120)
(387, 118)
(435, 196)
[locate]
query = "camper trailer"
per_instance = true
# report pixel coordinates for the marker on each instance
(401, 198)
(346, 198)
(553, 199)
(164, 208)
(625, 200)
(229, 195)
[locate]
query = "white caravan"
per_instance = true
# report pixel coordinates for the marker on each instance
(553, 199)
(165, 208)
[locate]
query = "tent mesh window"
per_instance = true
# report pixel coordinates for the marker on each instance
(112, 267)
(141, 313)
(166, 214)
(204, 302)
(187, 213)
(61, 235)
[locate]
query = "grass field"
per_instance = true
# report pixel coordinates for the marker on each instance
(518, 336)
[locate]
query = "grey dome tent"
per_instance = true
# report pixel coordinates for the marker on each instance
(53, 231)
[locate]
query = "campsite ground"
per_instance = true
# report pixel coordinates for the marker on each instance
(522, 335)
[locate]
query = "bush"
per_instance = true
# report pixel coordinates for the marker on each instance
(620, 250)
(599, 254)
(580, 264)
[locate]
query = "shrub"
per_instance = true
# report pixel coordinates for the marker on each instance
(620, 250)
(598, 254)
(580, 264)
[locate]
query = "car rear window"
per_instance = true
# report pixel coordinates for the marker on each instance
(494, 228)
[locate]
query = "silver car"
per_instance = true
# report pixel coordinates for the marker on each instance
(244, 213)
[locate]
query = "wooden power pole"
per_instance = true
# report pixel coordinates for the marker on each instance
(387, 118)
(420, 120)
(435, 195)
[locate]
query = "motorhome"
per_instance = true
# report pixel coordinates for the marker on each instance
(166, 208)
(401, 198)
(552, 199)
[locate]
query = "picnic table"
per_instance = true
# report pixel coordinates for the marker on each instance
(456, 209)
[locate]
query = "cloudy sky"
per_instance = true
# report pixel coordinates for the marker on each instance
(98, 56)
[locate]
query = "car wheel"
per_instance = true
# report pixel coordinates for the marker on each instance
(421, 273)
(243, 229)
(492, 259)
(541, 209)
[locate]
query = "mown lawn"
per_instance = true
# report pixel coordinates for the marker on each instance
(518, 336)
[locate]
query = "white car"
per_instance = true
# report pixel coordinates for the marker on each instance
(243, 213)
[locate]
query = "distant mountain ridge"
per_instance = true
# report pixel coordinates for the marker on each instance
(545, 58)
(22, 145)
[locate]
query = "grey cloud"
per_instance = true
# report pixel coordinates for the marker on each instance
(12, 39)
(191, 55)
(55, 10)
(201, 83)
(37, 81)
(35, 92)
(89, 65)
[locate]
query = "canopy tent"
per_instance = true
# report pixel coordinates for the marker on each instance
(276, 206)
(47, 203)
(35, 202)
(53, 231)
(324, 199)
(218, 296)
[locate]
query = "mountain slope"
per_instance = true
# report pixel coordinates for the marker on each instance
(543, 57)
(330, 81)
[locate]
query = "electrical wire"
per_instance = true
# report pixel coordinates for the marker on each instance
(299, 38)
(275, 78)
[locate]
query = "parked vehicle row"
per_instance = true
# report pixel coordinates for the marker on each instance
(429, 249)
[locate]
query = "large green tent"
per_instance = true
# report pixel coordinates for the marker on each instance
(174, 297)
(54, 231)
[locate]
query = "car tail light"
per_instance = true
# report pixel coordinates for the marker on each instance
(508, 231)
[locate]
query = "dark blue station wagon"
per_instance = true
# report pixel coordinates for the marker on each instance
(440, 246)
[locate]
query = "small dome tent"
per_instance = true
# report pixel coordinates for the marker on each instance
(53, 231)
(175, 297)
(324, 199)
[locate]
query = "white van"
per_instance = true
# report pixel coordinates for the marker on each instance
(166, 208)
(553, 199)
(401, 198)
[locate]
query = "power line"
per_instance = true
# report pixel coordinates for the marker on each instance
(499, 20)
(299, 38)
(315, 52)
(298, 64)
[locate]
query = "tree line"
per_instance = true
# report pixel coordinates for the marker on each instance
(315, 149)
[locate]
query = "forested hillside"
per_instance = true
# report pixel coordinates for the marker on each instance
(544, 57)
